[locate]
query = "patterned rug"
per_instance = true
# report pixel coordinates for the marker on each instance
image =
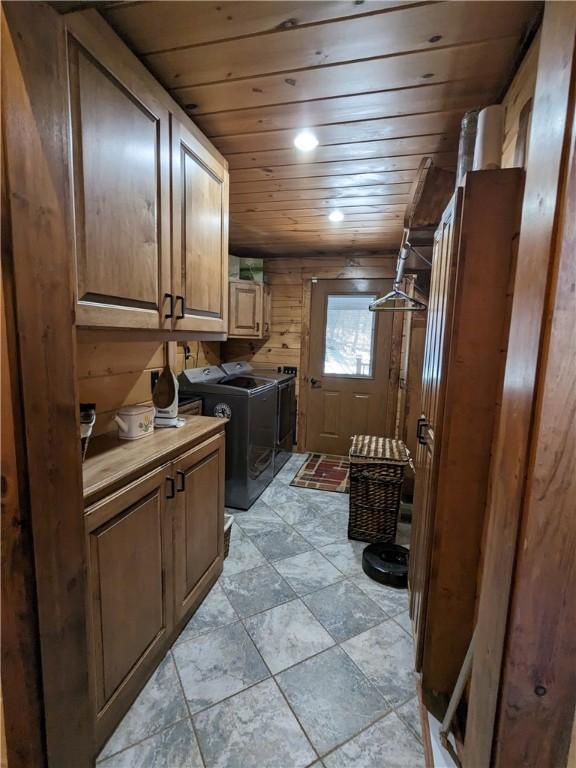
(324, 473)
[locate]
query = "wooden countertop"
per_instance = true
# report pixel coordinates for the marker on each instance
(111, 462)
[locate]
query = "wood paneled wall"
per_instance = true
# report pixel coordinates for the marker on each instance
(116, 373)
(518, 105)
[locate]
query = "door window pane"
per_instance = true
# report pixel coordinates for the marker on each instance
(349, 335)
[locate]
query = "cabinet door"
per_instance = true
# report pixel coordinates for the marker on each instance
(121, 165)
(198, 523)
(200, 236)
(245, 309)
(438, 330)
(130, 610)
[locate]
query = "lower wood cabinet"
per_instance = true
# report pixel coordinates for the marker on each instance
(154, 549)
(198, 521)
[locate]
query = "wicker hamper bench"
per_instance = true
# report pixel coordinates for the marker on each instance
(376, 473)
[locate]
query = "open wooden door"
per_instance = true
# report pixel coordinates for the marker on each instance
(437, 336)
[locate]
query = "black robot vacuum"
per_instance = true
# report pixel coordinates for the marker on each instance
(387, 564)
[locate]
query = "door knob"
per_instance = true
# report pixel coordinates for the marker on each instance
(315, 383)
(422, 425)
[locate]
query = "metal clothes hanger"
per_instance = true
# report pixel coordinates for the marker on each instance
(397, 294)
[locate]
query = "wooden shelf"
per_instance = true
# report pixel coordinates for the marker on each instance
(111, 462)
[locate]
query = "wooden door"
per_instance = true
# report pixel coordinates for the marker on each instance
(200, 234)
(245, 308)
(130, 613)
(440, 310)
(198, 522)
(349, 363)
(120, 158)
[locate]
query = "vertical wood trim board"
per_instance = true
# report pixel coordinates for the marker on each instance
(539, 674)
(35, 131)
(513, 434)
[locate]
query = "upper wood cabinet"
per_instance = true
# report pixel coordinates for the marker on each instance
(120, 177)
(200, 235)
(148, 255)
(250, 309)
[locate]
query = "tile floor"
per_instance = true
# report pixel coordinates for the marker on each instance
(294, 659)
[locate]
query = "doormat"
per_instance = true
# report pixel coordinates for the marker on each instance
(323, 472)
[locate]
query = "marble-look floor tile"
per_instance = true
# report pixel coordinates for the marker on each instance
(346, 556)
(392, 601)
(256, 590)
(291, 503)
(344, 610)
(160, 704)
(217, 665)
(216, 611)
(254, 729)
(404, 620)
(287, 634)
(243, 554)
(387, 743)
(324, 530)
(308, 572)
(386, 656)
(409, 713)
(331, 698)
(174, 747)
(258, 519)
(281, 541)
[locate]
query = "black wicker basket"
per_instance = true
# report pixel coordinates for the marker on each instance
(377, 467)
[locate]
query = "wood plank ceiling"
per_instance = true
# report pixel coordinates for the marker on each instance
(381, 85)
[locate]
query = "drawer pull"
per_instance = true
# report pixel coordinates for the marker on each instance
(170, 298)
(182, 476)
(171, 491)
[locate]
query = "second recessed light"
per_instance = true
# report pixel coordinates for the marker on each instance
(305, 141)
(336, 216)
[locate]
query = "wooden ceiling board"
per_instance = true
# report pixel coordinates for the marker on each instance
(409, 28)
(313, 213)
(305, 225)
(344, 202)
(345, 133)
(459, 94)
(382, 85)
(378, 165)
(402, 71)
(296, 195)
(396, 182)
(417, 145)
(157, 26)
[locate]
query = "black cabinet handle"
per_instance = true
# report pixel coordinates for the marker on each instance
(170, 298)
(171, 491)
(421, 426)
(182, 477)
(182, 313)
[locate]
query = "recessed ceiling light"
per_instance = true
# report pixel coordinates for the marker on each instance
(305, 141)
(336, 216)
